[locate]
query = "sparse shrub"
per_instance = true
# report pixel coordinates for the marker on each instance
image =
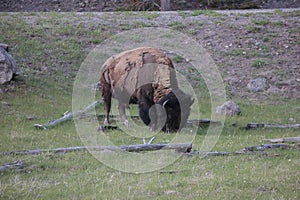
(261, 22)
(177, 59)
(258, 63)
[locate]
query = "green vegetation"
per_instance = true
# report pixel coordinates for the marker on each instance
(252, 29)
(177, 25)
(245, 53)
(266, 39)
(259, 63)
(150, 15)
(209, 13)
(261, 22)
(50, 47)
(178, 59)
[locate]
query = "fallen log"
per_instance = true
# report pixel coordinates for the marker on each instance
(261, 125)
(18, 164)
(264, 147)
(4, 46)
(203, 122)
(246, 151)
(284, 140)
(213, 153)
(181, 147)
(67, 116)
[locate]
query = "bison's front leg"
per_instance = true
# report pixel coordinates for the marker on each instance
(122, 107)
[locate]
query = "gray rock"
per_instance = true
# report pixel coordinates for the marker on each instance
(257, 85)
(274, 89)
(8, 66)
(228, 108)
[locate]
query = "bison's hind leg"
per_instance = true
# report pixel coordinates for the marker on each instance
(107, 95)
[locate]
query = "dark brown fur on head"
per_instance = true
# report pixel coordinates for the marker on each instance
(177, 106)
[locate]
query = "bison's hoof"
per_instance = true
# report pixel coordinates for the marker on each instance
(127, 124)
(152, 128)
(100, 128)
(106, 123)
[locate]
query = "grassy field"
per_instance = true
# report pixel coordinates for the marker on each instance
(50, 48)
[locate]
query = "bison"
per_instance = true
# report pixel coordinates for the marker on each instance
(145, 76)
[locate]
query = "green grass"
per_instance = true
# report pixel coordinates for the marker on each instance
(150, 15)
(178, 59)
(209, 13)
(261, 22)
(252, 29)
(177, 25)
(258, 63)
(52, 41)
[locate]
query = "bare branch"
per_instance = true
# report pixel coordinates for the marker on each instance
(18, 164)
(257, 125)
(283, 140)
(184, 147)
(67, 116)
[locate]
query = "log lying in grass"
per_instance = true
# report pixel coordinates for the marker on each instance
(264, 147)
(67, 116)
(246, 151)
(18, 164)
(260, 125)
(284, 140)
(183, 147)
(214, 153)
(203, 122)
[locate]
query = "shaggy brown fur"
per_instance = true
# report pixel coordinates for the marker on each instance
(143, 75)
(126, 67)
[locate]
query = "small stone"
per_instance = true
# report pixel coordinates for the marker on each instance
(31, 117)
(228, 108)
(257, 85)
(257, 43)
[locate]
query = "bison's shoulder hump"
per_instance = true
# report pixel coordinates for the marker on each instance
(135, 57)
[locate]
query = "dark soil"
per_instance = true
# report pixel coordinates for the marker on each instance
(121, 5)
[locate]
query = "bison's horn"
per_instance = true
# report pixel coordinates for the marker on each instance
(192, 101)
(165, 102)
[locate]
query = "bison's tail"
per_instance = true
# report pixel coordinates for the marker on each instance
(105, 84)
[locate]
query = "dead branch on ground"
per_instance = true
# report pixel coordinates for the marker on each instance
(181, 147)
(246, 151)
(261, 125)
(67, 116)
(264, 147)
(284, 140)
(18, 164)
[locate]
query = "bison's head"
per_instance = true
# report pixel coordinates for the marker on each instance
(177, 108)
